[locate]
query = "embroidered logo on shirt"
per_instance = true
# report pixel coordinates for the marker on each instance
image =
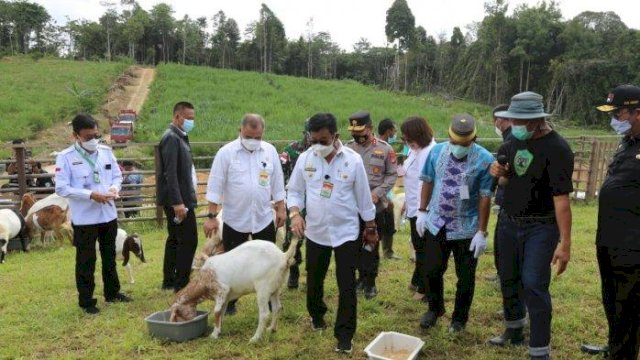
(522, 160)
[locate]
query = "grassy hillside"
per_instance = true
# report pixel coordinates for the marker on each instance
(221, 97)
(40, 319)
(35, 94)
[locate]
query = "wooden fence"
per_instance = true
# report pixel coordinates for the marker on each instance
(592, 155)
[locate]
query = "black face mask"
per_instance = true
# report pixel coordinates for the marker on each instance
(360, 139)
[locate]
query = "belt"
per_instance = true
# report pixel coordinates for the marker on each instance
(527, 220)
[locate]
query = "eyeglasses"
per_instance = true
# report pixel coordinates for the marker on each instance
(90, 137)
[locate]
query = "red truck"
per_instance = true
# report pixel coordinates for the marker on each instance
(122, 129)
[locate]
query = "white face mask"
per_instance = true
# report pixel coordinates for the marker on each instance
(498, 131)
(91, 145)
(250, 144)
(322, 150)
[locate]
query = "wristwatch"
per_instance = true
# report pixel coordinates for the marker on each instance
(212, 215)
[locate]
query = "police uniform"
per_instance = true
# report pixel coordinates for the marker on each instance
(78, 174)
(381, 165)
(618, 235)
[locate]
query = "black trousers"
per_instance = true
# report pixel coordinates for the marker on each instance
(437, 251)
(84, 239)
(318, 258)
(418, 279)
(388, 227)
(369, 261)
(179, 249)
(620, 278)
(232, 238)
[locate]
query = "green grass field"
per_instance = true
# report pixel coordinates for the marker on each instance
(35, 95)
(39, 317)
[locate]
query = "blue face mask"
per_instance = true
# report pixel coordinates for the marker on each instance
(392, 140)
(459, 151)
(520, 132)
(620, 127)
(188, 125)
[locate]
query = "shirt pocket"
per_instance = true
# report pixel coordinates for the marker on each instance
(80, 177)
(376, 167)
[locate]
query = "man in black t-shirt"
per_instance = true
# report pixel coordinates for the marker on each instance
(618, 234)
(535, 221)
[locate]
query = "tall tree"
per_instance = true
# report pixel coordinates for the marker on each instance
(401, 27)
(164, 24)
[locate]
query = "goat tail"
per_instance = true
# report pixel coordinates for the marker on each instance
(291, 252)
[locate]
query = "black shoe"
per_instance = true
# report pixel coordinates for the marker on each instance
(318, 324)
(595, 349)
(370, 292)
(231, 309)
(92, 310)
(344, 347)
(512, 336)
(167, 287)
(120, 297)
(429, 319)
(456, 327)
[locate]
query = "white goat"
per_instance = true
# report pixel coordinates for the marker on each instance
(125, 245)
(11, 225)
(256, 266)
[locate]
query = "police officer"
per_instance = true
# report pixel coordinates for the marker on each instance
(288, 159)
(89, 176)
(380, 162)
(618, 234)
(387, 133)
(535, 220)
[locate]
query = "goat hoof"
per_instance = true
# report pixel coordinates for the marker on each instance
(214, 335)
(254, 340)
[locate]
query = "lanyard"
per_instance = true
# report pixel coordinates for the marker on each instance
(96, 175)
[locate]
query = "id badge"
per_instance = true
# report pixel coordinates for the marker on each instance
(264, 178)
(96, 177)
(327, 189)
(464, 192)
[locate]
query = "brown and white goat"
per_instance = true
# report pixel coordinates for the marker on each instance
(50, 214)
(256, 266)
(125, 246)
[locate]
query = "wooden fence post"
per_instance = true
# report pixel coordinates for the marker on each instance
(594, 161)
(19, 149)
(159, 210)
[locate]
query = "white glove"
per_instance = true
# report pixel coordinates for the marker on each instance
(478, 244)
(421, 223)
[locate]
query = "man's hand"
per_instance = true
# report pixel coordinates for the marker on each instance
(297, 226)
(561, 257)
(180, 211)
(115, 193)
(374, 198)
(498, 170)
(370, 235)
(281, 216)
(101, 198)
(478, 244)
(211, 227)
(421, 223)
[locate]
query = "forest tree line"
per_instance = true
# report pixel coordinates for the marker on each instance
(573, 63)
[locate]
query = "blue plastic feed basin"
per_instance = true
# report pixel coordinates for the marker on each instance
(160, 326)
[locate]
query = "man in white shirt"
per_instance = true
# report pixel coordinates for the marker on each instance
(89, 176)
(246, 176)
(330, 182)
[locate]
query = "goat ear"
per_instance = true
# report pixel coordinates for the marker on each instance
(126, 250)
(174, 315)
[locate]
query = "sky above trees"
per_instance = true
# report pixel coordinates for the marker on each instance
(346, 20)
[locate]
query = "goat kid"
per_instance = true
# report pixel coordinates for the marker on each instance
(256, 266)
(11, 225)
(125, 246)
(50, 214)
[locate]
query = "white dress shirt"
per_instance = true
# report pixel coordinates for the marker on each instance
(412, 184)
(331, 221)
(245, 183)
(75, 181)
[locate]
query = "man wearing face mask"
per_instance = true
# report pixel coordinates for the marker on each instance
(177, 194)
(246, 177)
(329, 182)
(380, 161)
(453, 215)
(618, 234)
(387, 133)
(535, 221)
(89, 176)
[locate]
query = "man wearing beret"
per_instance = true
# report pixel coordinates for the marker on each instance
(380, 161)
(618, 234)
(535, 221)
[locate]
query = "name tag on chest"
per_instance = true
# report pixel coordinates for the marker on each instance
(327, 189)
(464, 192)
(263, 178)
